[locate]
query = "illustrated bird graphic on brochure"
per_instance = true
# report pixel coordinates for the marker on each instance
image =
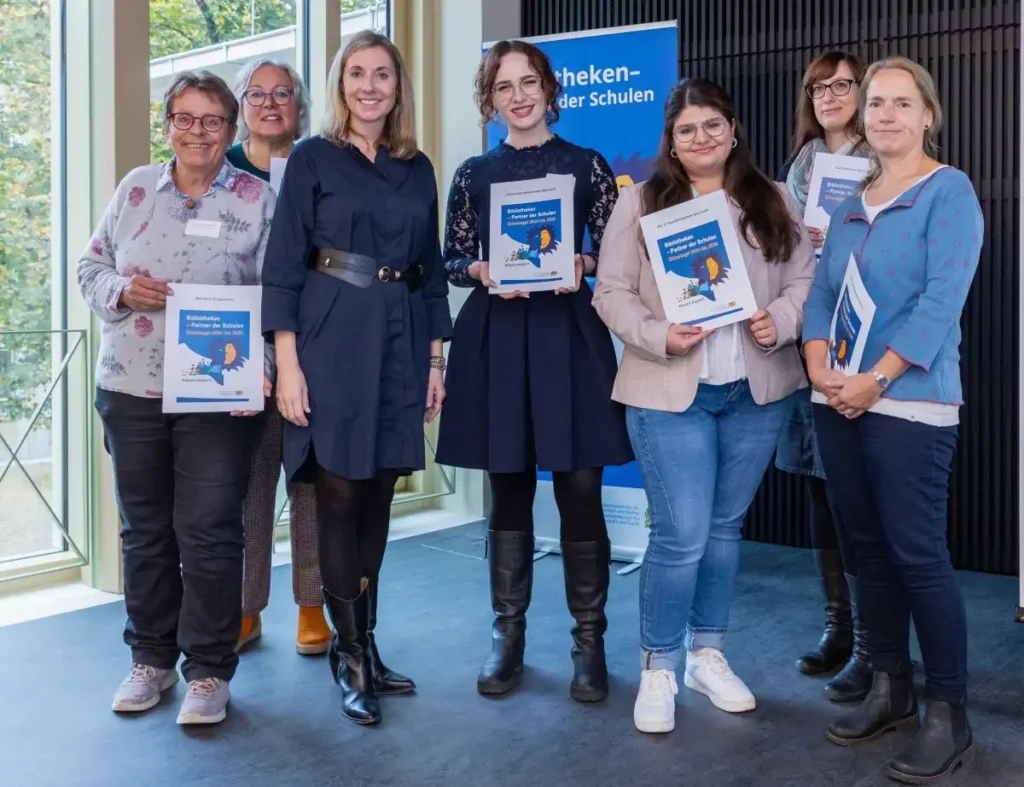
(213, 358)
(532, 235)
(698, 263)
(851, 322)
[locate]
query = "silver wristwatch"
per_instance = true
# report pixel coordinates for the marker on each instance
(881, 379)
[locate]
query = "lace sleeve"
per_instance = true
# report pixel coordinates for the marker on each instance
(605, 193)
(461, 239)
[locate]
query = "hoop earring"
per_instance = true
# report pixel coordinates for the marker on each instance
(735, 142)
(672, 153)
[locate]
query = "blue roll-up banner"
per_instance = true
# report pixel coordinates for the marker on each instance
(615, 82)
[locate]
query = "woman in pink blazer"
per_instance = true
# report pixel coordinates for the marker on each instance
(704, 407)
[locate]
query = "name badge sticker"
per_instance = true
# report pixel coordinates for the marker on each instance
(203, 229)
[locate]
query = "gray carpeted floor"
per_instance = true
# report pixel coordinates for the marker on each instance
(284, 728)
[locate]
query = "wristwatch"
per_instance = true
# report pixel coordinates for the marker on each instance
(881, 379)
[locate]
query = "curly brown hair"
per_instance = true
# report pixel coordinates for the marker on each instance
(487, 74)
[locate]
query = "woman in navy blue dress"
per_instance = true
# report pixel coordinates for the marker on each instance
(356, 301)
(530, 376)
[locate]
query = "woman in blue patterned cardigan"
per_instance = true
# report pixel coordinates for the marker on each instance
(888, 427)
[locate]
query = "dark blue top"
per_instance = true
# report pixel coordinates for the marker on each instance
(364, 349)
(333, 197)
(467, 232)
(236, 157)
(529, 379)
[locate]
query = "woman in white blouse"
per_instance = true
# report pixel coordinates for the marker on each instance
(704, 407)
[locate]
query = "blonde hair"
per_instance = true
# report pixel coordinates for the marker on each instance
(926, 86)
(399, 137)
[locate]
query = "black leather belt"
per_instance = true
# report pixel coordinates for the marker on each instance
(360, 270)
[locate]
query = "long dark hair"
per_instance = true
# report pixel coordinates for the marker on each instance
(820, 69)
(763, 210)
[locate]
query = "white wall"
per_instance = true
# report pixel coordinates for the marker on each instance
(463, 28)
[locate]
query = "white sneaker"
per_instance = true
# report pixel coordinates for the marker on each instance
(141, 690)
(655, 708)
(708, 672)
(206, 702)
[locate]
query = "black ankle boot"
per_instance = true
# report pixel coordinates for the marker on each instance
(349, 657)
(890, 704)
(385, 680)
(854, 681)
(586, 590)
(944, 741)
(510, 555)
(836, 644)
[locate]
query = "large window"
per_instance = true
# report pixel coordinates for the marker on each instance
(36, 349)
(217, 35)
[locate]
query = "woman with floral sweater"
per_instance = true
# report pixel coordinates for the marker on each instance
(180, 479)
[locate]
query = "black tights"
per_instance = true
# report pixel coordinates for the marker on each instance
(827, 531)
(352, 520)
(577, 495)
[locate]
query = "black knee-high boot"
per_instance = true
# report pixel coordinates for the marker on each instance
(385, 680)
(586, 590)
(350, 659)
(836, 644)
(854, 681)
(510, 555)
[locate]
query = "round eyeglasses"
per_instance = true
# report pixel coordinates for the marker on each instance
(528, 86)
(257, 97)
(183, 121)
(839, 88)
(713, 127)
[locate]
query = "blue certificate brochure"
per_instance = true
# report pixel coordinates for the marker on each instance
(532, 245)
(213, 351)
(833, 179)
(851, 323)
(698, 263)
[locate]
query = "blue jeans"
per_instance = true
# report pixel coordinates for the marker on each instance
(890, 478)
(701, 469)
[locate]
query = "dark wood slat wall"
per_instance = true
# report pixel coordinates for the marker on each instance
(758, 49)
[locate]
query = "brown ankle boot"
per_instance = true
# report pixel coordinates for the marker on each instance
(314, 637)
(252, 630)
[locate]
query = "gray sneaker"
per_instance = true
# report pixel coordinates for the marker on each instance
(142, 688)
(206, 702)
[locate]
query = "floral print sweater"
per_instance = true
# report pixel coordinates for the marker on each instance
(143, 232)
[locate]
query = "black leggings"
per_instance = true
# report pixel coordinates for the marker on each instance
(577, 495)
(352, 519)
(827, 531)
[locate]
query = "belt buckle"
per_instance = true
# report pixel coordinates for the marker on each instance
(384, 274)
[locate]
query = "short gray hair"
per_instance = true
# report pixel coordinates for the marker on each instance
(301, 94)
(206, 82)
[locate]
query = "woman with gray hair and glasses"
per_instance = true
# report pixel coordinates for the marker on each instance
(274, 108)
(180, 478)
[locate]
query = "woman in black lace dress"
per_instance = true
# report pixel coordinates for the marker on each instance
(530, 375)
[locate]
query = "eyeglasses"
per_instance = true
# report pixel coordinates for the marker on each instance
(258, 97)
(183, 121)
(713, 127)
(839, 88)
(528, 86)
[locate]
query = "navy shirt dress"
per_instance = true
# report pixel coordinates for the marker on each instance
(365, 353)
(529, 379)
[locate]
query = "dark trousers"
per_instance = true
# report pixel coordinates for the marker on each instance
(180, 482)
(827, 531)
(890, 479)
